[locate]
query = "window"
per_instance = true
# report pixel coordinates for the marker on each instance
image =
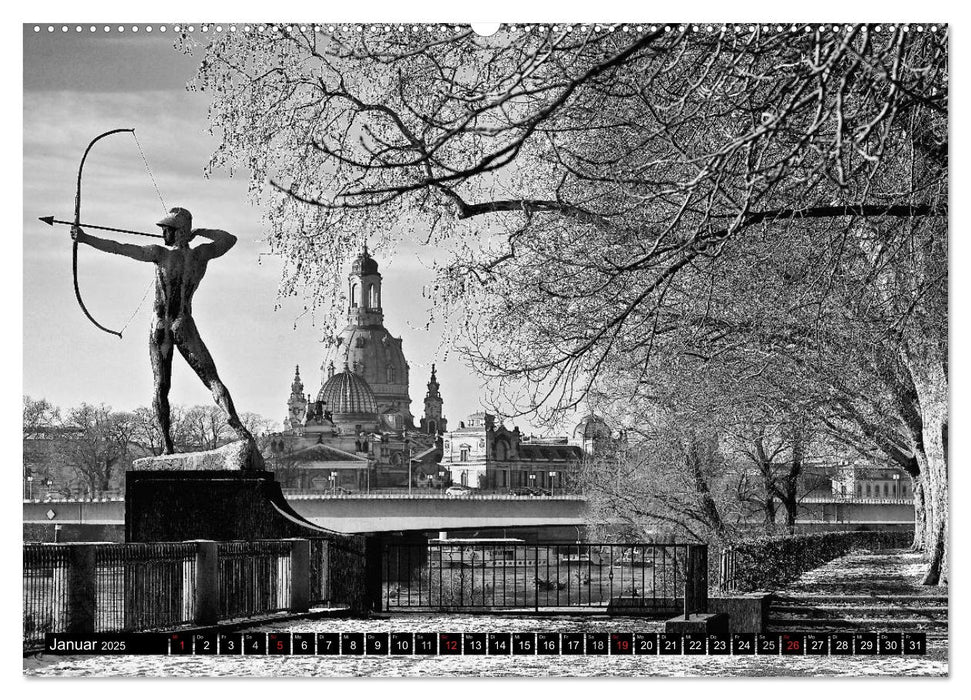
(868, 489)
(390, 373)
(886, 489)
(373, 300)
(354, 299)
(464, 453)
(465, 478)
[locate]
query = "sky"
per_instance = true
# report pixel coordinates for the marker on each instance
(79, 85)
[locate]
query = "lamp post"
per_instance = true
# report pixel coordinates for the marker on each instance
(30, 487)
(552, 483)
(896, 485)
(441, 482)
(333, 482)
(408, 443)
(532, 481)
(48, 482)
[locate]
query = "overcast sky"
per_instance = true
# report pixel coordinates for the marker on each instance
(78, 85)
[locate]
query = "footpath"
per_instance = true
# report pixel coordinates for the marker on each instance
(867, 592)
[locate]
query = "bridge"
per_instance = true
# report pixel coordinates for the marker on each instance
(357, 513)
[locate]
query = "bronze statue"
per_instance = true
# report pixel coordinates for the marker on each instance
(178, 271)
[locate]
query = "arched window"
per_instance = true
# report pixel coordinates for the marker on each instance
(432, 427)
(354, 298)
(373, 299)
(390, 374)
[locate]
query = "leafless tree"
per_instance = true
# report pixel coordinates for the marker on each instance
(596, 194)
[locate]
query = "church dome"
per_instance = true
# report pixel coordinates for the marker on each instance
(591, 427)
(364, 264)
(345, 393)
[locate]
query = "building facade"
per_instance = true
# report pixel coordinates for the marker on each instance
(358, 432)
(483, 455)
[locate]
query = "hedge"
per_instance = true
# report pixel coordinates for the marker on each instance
(766, 563)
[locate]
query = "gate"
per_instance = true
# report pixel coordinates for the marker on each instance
(471, 575)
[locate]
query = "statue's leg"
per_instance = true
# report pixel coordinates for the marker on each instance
(160, 353)
(197, 355)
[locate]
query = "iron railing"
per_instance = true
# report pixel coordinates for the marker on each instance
(470, 576)
(254, 577)
(46, 590)
(145, 586)
(336, 572)
(135, 587)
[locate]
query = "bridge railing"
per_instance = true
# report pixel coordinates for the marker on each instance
(105, 587)
(455, 575)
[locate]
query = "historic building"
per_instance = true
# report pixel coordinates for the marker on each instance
(483, 455)
(359, 433)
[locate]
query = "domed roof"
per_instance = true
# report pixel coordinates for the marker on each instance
(346, 392)
(364, 264)
(591, 427)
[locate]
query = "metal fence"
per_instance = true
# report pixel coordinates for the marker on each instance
(144, 586)
(46, 590)
(108, 587)
(254, 578)
(469, 576)
(336, 571)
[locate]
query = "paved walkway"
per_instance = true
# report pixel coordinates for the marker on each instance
(891, 572)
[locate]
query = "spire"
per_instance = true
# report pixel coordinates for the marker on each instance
(433, 422)
(296, 404)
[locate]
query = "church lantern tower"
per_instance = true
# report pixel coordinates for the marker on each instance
(366, 347)
(364, 292)
(433, 423)
(296, 405)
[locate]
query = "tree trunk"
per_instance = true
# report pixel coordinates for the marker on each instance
(768, 507)
(936, 498)
(920, 514)
(930, 380)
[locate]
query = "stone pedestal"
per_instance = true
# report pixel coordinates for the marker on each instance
(698, 623)
(236, 456)
(176, 505)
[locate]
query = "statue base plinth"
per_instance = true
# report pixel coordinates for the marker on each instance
(211, 504)
(240, 455)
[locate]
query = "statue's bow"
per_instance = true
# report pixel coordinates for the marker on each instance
(77, 222)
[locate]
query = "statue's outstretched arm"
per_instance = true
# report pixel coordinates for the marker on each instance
(142, 253)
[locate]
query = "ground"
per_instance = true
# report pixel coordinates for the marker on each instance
(882, 573)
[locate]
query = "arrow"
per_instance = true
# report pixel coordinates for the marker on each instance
(50, 221)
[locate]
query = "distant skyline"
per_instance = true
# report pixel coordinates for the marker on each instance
(78, 85)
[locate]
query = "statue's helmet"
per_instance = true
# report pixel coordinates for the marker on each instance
(178, 218)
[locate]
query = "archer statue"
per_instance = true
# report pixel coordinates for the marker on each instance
(178, 271)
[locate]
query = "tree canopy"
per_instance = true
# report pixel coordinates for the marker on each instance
(605, 203)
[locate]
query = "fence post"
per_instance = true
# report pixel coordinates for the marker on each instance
(696, 580)
(373, 554)
(83, 589)
(300, 575)
(326, 591)
(207, 583)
